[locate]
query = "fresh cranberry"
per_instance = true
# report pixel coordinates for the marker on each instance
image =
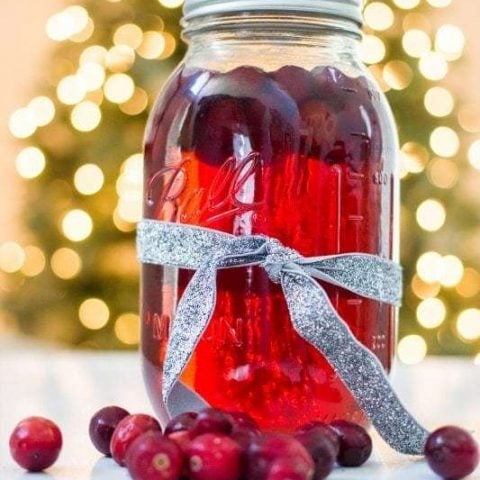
(182, 438)
(284, 469)
(35, 443)
(213, 456)
(128, 429)
(265, 450)
(296, 81)
(355, 443)
(322, 450)
(324, 429)
(102, 425)
(152, 456)
(452, 453)
(245, 435)
(184, 421)
(241, 419)
(211, 420)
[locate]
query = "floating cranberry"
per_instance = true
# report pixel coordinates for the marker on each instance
(102, 425)
(265, 450)
(284, 469)
(128, 429)
(452, 453)
(355, 443)
(152, 456)
(213, 456)
(184, 421)
(296, 81)
(35, 443)
(322, 450)
(211, 420)
(324, 429)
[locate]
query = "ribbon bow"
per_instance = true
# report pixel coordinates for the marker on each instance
(313, 315)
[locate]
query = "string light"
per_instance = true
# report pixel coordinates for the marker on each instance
(468, 324)
(43, 110)
(88, 179)
(92, 75)
(86, 116)
(94, 54)
(71, 90)
(373, 49)
(431, 313)
(397, 74)
(30, 162)
(430, 267)
(94, 313)
(433, 66)
(474, 154)
(22, 123)
(378, 16)
(171, 3)
(444, 142)
(450, 41)
(453, 271)
(77, 225)
(412, 349)
(431, 215)
(152, 46)
(127, 328)
(120, 58)
(66, 263)
(119, 88)
(416, 43)
(439, 102)
(67, 23)
(128, 34)
(12, 257)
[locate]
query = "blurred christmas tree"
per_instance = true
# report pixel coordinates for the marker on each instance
(75, 280)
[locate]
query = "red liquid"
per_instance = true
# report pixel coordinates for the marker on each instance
(292, 154)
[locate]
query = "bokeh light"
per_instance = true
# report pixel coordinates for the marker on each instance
(94, 54)
(94, 313)
(450, 40)
(35, 261)
(424, 290)
(414, 157)
(67, 23)
(127, 328)
(152, 46)
(397, 74)
(433, 66)
(92, 74)
(12, 257)
(439, 102)
(22, 123)
(406, 4)
(453, 271)
(66, 263)
(77, 225)
(119, 88)
(136, 104)
(71, 90)
(30, 162)
(439, 3)
(431, 313)
(444, 142)
(88, 179)
(171, 3)
(430, 267)
(120, 58)
(468, 324)
(443, 173)
(416, 43)
(431, 215)
(469, 117)
(469, 286)
(128, 34)
(474, 154)
(378, 16)
(43, 110)
(86, 116)
(412, 349)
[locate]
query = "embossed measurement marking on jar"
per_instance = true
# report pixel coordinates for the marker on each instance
(160, 324)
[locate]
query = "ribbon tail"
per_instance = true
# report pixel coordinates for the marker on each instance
(316, 320)
(198, 302)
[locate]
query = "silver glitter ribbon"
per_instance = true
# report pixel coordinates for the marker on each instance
(313, 315)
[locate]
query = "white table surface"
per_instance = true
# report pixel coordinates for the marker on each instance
(69, 387)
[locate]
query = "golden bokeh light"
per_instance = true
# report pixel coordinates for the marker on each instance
(85, 34)
(443, 173)
(412, 349)
(43, 110)
(469, 117)
(94, 313)
(66, 263)
(431, 215)
(378, 16)
(424, 290)
(120, 58)
(119, 88)
(12, 257)
(406, 4)
(129, 188)
(128, 34)
(433, 66)
(474, 154)
(170, 46)
(89, 179)
(94, 54)
(450, 40)
(431, 313)
(444, 142)
(30, 162)
(152, 46)
(71, 90)
(77, 225)
(22, 123)
(468, 324)
(136, 104)
(453, 271)
(416, 43)
(439, 102)
(86, 116)
(121, 224)
(439, 3)
(397, 74)
(414, 157)
(430, 267)
(127, 328)
(92, 74)
(67, 23)
(171, 3)
(35, 261)
(373, 49)
(469, 286)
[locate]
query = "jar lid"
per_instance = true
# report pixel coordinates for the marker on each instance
(347, 9)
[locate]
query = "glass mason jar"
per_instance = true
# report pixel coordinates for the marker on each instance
(271, 125)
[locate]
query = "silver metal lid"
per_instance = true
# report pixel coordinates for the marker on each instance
(347, 9)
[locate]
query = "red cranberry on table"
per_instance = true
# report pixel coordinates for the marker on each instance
(35, 443)
(266, 450)
(452, 453)
(128, 429)
(214, 456)
(284, 469)
(324, 429)
(322, 450)
(355, 443)
(182, 438)
(102, 425)
(181, 422)
(152, 456)
(211, 420)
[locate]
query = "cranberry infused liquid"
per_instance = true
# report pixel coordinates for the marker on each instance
(303, 153)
